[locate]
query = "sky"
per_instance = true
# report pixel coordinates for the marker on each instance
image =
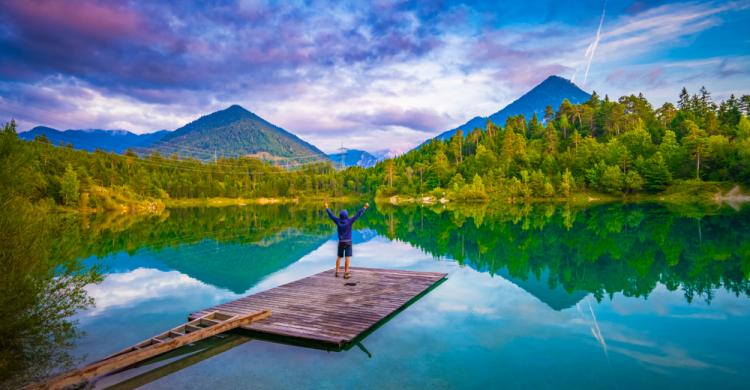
(377, 76)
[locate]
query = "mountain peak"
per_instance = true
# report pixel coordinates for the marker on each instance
(550, 92)
(234, 112)
(554, 77)
(353, 157)
(235, 131)
(236, 108)
(556, 82)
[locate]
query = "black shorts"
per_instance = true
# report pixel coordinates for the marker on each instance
(345, 249)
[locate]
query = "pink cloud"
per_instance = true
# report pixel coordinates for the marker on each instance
(102, 21)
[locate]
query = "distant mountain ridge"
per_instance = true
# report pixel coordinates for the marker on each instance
(235, 132)
(354, 157)
(550, 92)
(117, 141)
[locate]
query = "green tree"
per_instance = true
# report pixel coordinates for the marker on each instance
(441, 167)
(656, 173)
(549, 189)
(457, 182)
(486, 160)
(69, 187)
(633, 182)
(696, 143)
(743, 128)
(611, 180)
(455, 146)
(567, 183)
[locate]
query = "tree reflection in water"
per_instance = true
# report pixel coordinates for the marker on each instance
(603, 250)
(41, 287)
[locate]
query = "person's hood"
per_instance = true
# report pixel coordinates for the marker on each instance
(343, 214)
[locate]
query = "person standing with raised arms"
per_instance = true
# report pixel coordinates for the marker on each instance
(344, 226)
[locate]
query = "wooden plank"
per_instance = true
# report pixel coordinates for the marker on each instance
(126, 359)
(323, 308)
(219, 346)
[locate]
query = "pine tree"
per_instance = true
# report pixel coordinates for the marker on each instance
(549, 114)
(684, 101)
(656, 173)
(550, 139)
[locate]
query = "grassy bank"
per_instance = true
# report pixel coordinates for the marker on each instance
(121, 200)
(223, 202)
(679, 192)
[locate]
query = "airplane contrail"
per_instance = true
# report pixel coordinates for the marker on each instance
(591, 50)
(594, 326)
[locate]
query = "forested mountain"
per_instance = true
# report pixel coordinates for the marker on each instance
(237, 132)
(117, 141)
(551, 92)
(42, 173)
(353, 158)
(602, 146)
(616, 147)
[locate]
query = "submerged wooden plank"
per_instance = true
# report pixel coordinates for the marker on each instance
(130, 356)
(332, 310)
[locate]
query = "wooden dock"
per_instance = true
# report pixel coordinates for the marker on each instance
(325, 309)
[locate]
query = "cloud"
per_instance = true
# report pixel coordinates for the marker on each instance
(653, 77)
(416, 119)
(395, 71)
(670, 23)
(661, 81)
(136, 48)
(140, 286)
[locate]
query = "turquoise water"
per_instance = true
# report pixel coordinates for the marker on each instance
(543, 297)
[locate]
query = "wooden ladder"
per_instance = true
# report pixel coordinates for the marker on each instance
(200, 328)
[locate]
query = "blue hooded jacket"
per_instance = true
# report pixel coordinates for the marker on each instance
(344, 223)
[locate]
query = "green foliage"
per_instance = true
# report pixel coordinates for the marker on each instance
(611, 180)
(42, 285)
(632, 182)
(621, 147)
(656, 173)
(42, 173)
(635, 248)
(567, 184)
(69, 187)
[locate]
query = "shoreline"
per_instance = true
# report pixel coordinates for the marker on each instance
(223, 202)
(703, 193)
(158, 206)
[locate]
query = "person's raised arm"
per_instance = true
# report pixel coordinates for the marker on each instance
(330, 214)
(360, 212)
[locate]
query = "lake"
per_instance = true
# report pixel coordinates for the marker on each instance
(542, 296)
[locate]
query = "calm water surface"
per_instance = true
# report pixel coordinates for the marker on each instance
(539, 297)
